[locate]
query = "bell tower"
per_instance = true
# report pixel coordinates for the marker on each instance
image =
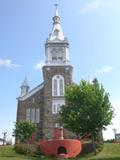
(57, 73)
(57, 46)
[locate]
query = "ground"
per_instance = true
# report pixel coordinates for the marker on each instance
(110, 152)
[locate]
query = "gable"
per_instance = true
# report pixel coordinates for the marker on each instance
(31, 93)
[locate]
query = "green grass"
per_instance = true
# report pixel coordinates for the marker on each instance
(8, 153)
(109, 152)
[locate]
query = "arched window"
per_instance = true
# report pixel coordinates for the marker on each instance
(55, 87)
(61, 87)
(58, 85)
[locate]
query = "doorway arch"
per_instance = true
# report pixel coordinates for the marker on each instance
(61, 150)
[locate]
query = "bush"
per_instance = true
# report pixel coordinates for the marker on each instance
(87, 147)
(28, 149)
(23, 131)
(110, 141)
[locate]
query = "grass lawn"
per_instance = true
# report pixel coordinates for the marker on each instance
(110, 152)
(8, 153)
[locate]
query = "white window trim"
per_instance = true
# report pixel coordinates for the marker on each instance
(32, 118)
(28, 114)
(37, 115)
(34, 115)
(58, 85)
(56, 106)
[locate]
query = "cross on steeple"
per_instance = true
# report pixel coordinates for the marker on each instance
(56, 10)
(56, 6)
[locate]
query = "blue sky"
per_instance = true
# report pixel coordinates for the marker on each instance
(93, 30)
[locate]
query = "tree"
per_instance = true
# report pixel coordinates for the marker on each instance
(87, 109)
(23, 130)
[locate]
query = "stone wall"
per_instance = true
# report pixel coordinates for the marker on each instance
(35, 101)
(49, 118)
(43, 99)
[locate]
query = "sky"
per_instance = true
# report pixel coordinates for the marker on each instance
(93, 30)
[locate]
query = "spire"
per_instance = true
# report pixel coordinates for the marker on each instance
(56, 18)
(25, 83)
(56, 10)
(24, 87)
(57, 33)
(57, 46)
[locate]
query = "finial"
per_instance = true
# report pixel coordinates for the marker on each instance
(56, 9)
(25, 83)
(56, 6)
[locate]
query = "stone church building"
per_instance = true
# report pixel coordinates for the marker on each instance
(42, 104)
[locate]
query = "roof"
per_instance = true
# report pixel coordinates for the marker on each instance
(25, 83)
(32, 92)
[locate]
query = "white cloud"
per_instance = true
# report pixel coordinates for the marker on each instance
(39, 65)
(8, 63)
(104, 69)
(95, 5)
(92, 5)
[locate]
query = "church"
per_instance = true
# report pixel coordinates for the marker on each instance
(42, 104)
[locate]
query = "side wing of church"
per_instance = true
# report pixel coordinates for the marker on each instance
(42, 104)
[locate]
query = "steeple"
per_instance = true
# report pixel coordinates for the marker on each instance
(57, 32)
(56, 10)
(24, 87)
(57, 46)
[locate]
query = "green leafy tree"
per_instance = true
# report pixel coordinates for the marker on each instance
(87, 110)
(23, 131)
